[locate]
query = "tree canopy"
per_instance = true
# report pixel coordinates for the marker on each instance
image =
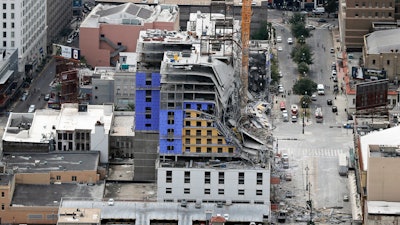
(302, 53)
(303, 86)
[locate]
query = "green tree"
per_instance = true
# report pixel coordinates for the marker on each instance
(299, 30)
(302, 53)
(303, 68)
(304, 85)
(331, 6)
(274, 69)
(297, 18)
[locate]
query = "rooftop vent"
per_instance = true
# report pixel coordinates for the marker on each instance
(82, 108)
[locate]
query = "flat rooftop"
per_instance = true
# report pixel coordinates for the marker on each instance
(32, 195)
(46, 162)
(5, 179)
(131, 191)
(41, 126)
(123, 124)
(130, 14)
(74, 215)
(145, 211)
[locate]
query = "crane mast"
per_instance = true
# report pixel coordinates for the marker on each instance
(244, 75)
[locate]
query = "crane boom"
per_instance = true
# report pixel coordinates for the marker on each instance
(246, 19)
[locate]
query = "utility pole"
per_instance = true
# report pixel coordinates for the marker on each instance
(307, 169)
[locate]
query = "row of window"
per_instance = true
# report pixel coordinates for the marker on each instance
(383, 14)
(78, 136)
(207, 177)
(207, 191)
(78, 146)
(382, 5)
(12, 6)
(209, 141)
(5, 25)
(73, 178)
(208, 149)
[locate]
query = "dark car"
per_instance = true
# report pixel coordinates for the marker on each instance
(329, 101)
(334, 109)
(335, 88)
(335, 79)
(322, 20)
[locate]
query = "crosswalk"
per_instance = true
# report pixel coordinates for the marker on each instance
(326, 26)
(278, 24)
(313, 152)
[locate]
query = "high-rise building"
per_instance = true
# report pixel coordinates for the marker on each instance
(24, 27)
(356, 18)
(59, 15)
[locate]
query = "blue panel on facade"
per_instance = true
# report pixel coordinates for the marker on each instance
(171, 124)
(198, 105)
(147, 108)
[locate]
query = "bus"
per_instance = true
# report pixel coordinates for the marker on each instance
(318, 115)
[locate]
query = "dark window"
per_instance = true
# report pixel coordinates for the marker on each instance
(187, 177)
(169, 176)
(207, 191)
(259, 178)
(168, 190)
(186, 191)
(220, 191)
(221, 178)
(207, 177)
(241, 192)
(241, 178)
(187, 123)
(187, 132)
(373, 62)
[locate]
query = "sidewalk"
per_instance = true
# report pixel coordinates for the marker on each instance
(341, 100)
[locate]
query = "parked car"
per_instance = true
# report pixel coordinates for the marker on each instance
(24, 95)
(47, 97)
(310, 27)
(294, 119)
(280, 48)
(332, 50)
(335, 79)
(321, 20)
(329, 101)
(288, 176)
(70, 40)
(31, 109)
(281, 89)
(335, 88)
(290, 41)
(285, 116)
(279, 39)
(334, 73)
(334, 108)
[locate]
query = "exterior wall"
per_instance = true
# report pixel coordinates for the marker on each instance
(59, 14)
(255, 191)
(147, 101)
(381, 219)
(390, 62)
(124, 90)
(57, 176)
(10, 89)
(103, 91)
(200, 134)
(383, 179)
(145, 150)
(8, 190)
(100, 142)
(171, 124)
(359, 16)
(97, 53)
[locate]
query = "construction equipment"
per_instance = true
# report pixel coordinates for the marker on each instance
(244, 75)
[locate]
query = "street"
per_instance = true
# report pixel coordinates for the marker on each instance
(312, 147)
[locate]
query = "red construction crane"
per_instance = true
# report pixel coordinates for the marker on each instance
(244, 75)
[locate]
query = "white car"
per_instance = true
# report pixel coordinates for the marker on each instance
(31, 109)
(280, 48)
(290, 41)
(279, 39)
(70, 40)
(334, 73)
(294, 119)
(280, 74)
(281, 89)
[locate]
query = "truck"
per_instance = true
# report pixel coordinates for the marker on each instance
(343, 164)
(319, 10)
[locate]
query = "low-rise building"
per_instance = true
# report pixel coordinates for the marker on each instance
(10, 82)
(32, 185)
(76, 127)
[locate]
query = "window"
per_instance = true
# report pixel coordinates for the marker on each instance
(220, 141)
(220, 191)
(148, 99)
(219, 150)
(58, 177)
(148, 116)
(207, 177)
(169, 176)
(388, 62)
(187, 106)
(258, 192)
(73, 178)
(147, 125)
(148, 82)
(230, 150)
(186, 191)
(170, 147)
(187, 132)
(207, 191)
(2, 194)
(4, 6)
(168, 191)
(241, 177)
(198, 123)
(187, 123)
(12, 5)
(187, 141)
(356, 14)
(373, 62)
(198, 149)
(221, 178)
(12, 15)
(170, 131)
(208, 141)
(241, 192)
(209, 150)
(4, 25)
(12, 25)
(148, 93)
(187, 177)
(259, 178)
(209, 132)
(198, 141)
(4, 44)
(4, 16)
(2, 206)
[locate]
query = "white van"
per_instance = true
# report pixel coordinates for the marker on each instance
(321, 89)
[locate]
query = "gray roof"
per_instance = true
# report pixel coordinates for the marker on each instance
(51, 194)
(5, 179)
(145, 211)
(129, 8)
(384, 41)
(45, 162)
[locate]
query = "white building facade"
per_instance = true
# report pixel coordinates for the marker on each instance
(213, 185)
(24, 27)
